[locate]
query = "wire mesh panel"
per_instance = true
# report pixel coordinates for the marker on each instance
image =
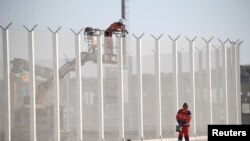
(19, 86)
(131, 108)
(141, 112)
(185, 81)
(131, 101)
(67, 77)
(168, 97)
(90, 101)
(184, 76)
(216, 85)
(111, 94)
(202, 103)
(148, 89)
(45, 93)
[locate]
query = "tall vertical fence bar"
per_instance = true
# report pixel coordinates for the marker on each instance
(77, 87)
(32, 85)
(6, 111)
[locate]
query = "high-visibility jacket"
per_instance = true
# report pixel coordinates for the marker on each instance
(183, 117)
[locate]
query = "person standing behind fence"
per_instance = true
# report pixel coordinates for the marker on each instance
(183, 118)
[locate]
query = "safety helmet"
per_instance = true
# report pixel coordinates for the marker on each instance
(122, 21)
(185, 105)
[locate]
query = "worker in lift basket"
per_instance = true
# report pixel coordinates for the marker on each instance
(114, 27)
(183, 118)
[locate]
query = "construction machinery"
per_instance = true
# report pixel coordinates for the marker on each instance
(44, 76)
(21, 66)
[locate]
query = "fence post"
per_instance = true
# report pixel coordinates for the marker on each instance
(235, 73)
(209, 84)
(121, 92)
(158, 84)
(192, 72)
(224, 65)
(32, 85)
(78, 83)
(139, 77)
(6, 74)
(100, 87)
(57, 128)
(175, 70)
(238, 78)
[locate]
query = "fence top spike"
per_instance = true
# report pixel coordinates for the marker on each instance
(231, 42)
(222, 41)
(170, 37)
(153, 36)
(139, 36)
(240, 42)
(58, 29)
(5, 28)
(189, 39)
(76, 33)
(175, 38)
(30, 30)
(234, 42)
(207, 41)
(237, 41)
(158, 37)
(228, 40)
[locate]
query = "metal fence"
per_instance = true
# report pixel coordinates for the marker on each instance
(61, 86)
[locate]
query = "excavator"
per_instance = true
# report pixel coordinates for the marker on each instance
(20, 65)
(44, 75)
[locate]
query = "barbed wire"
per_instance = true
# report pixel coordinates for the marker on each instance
(44, 28)
(39, 28)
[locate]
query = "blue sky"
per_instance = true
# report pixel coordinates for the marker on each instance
(204, 18)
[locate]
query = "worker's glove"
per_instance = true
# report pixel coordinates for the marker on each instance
(180, 122)
(185, 122)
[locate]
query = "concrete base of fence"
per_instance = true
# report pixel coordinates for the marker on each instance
(200, 138)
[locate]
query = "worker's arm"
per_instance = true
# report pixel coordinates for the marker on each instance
(189, 117)
(178, 117)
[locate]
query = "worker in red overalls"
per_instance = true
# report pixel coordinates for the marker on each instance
(183, 118)
(114, 27)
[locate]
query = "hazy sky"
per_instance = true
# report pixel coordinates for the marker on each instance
(204, 18)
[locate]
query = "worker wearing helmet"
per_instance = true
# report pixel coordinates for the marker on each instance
(90, 37)
(114, 27)
(183, 118)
